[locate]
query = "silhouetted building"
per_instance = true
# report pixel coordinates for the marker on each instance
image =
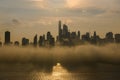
(25, 42)
(117, 38)
(35, 40)
(7, 37)
(94, 34)
(65, 31)
(49, 36)
(52, 42)
(59, 31)
(16, 43)
(73, 35)
(65, 37)
(0, 44)
(86, 37)
(44, 37)
(95, 38)
(78, 34)
(109, 37)
(41, 41)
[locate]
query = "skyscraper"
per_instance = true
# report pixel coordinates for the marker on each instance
(117, 38)
(78, 34)
(48, 36)
(0, 44)
(109, 37)
(35, 40)
(65, 31)
(41, 40)
(95, 34)
(59, 31)
(7, 37)
(25, 41)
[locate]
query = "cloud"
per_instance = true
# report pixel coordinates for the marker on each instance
(11, 25)
(42, 15)
(15, 21)
(57, 7)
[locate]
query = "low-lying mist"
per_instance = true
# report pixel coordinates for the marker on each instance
(67, 56)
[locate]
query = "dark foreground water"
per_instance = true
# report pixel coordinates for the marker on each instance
(58, 72)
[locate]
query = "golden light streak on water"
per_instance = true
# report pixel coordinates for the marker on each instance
(58, 73)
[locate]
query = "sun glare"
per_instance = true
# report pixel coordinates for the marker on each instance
(58, 70)
(76, 3)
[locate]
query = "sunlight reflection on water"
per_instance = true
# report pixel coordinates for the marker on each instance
(21, 72)
(58, 73)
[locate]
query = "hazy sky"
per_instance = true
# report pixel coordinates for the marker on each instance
(25, 18)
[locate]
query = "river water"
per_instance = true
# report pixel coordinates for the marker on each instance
(58, 72)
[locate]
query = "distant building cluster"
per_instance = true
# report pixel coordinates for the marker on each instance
(49, 41)
(64, 38)
(42, 41)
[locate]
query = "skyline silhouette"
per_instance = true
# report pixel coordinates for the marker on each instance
(64, 38)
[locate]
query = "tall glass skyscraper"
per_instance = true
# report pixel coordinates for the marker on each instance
(7, 37)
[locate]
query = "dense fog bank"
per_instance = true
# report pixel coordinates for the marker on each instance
(67, 55)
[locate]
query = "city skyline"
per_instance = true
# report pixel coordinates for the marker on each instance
(59, 26)
(30, 17)
(64, 37)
